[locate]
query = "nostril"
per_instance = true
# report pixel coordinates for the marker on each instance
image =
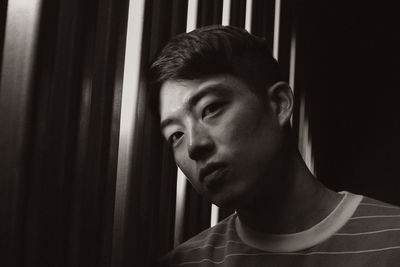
(200, 150)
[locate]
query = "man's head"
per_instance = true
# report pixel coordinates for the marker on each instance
(224, 112)
(215, 50)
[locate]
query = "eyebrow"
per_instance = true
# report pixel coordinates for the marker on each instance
(217, 89)
(166, 122)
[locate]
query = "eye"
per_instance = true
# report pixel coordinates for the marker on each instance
(211, 109)
(174, 138)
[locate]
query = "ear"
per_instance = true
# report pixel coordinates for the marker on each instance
(280, 97)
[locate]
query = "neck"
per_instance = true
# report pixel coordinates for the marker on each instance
(299, 202)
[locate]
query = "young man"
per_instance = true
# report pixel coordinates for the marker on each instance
(226, 112)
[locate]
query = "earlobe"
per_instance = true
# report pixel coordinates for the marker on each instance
(280, 96)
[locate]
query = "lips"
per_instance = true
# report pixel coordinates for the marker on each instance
(212, 174)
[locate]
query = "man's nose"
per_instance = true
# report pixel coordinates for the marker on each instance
(200, 144)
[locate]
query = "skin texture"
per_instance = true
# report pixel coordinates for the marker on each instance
(232, 146)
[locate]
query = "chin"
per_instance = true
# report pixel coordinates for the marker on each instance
(227, 201)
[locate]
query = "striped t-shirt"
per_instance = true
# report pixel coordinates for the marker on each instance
(360, 231)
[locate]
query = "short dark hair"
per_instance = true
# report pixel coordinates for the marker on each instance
(211, 50)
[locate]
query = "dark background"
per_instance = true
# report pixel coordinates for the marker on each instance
(349, 66)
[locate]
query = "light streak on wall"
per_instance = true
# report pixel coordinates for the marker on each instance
(226, 12)
(214, 215)
(128, 115)
(249, 9)
(292, 63)
(292, 66)
(277, 20)
(21, 34)
(180, 207)
(305, 141)
(305, 145)
(192, 15)
(16, 91)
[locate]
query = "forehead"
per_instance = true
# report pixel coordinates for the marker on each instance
(175, 94)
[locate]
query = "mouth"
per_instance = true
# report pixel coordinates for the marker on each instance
(212, 174)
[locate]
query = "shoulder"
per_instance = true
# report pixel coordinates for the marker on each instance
(373, 229)
(375, 220)
(203, 243)
(374, 217)
(375, 211)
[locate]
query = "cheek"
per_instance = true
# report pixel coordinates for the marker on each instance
(250, 139)
(241, 127)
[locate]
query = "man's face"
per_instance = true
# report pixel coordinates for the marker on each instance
(224, 138)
